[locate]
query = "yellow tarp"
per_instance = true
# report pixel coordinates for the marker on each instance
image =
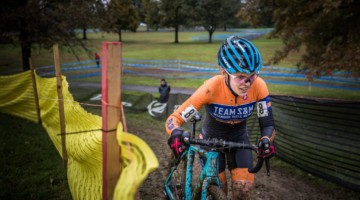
(84, 149)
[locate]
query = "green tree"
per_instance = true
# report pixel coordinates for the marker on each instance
(41, 22)
(151, 11)
(258, 12)
(121, 15)
(230, 8)
(87, 14)
(138, 5)
(209, 15)
(173, 15)
(212, 14)
(327, 29)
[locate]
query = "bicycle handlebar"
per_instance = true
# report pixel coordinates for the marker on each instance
(222, 144)
(218, 143)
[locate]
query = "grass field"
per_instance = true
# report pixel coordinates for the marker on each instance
(142, 45)
(31, 167)
(161, 46)
(205, 52)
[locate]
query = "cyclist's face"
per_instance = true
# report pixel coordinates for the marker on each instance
(241, 82)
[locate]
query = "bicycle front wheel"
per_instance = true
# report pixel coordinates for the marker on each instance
(177, 182)
(215, 193)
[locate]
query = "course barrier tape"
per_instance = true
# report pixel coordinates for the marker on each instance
(84, 149)
(161, 63)
(138, 160)
(249, 34)
(84, 69)
(272, 81)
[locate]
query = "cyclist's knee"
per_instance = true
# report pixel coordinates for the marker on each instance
(223, 180)
(241, 189)
(242, 174)
(242, 183)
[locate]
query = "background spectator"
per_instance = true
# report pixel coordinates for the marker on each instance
(164, 90)
(97, 59)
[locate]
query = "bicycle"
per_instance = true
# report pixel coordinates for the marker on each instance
(178, 184)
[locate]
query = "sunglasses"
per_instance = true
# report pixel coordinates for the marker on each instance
(243, 78)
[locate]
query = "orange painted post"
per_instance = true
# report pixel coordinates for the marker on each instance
(60, 104)
(111, 108)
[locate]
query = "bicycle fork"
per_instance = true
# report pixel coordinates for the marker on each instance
(209, 174)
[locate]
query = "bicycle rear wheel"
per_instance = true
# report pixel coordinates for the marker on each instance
(215, 193)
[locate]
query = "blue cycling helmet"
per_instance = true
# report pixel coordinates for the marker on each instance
(239, 55)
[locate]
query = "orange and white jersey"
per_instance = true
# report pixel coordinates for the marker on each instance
(222, 106)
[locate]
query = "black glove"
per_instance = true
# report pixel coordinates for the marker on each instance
(266, 148)
(175, 142)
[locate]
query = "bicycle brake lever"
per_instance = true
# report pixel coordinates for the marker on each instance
(257, 166)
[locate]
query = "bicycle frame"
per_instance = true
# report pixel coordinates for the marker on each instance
(209, 172)
(208, 175)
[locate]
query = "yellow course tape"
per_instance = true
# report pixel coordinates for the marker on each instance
(84, 149)
(138, 161)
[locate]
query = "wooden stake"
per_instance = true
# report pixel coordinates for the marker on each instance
(61, 104)
(123, 119)
(36, 96)
(111, 108)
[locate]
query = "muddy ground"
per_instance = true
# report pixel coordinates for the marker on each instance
(282, 184)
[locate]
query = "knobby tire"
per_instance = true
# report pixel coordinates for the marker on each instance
(179, 178)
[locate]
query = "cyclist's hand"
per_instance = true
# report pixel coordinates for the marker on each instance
(175, 142)
(266, 148)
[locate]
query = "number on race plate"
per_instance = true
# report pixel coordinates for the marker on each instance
(188, 113)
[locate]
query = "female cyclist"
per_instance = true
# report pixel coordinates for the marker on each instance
(229, 99)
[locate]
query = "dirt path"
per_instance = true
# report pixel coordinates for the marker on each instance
(282, 184)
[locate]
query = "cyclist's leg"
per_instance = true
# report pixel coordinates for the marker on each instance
(242, 181)
(222, 174)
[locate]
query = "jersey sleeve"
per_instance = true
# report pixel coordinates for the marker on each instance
(194, 103)
(263, 103)
(261, 88)
(264, 111)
